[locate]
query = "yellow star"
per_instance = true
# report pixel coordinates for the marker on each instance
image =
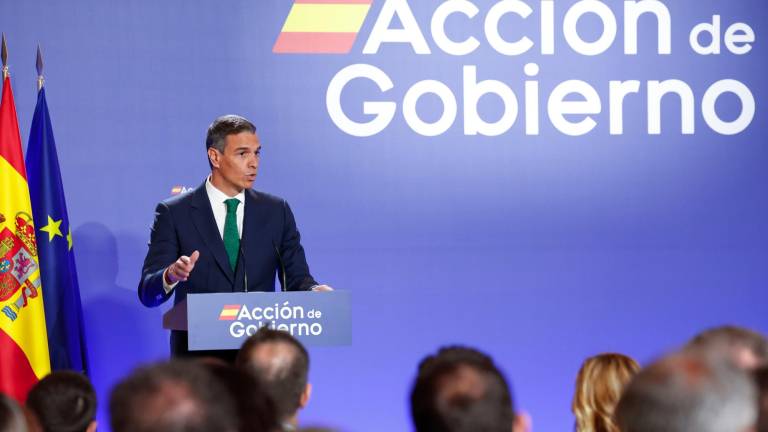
(69, 239)
(52, 228)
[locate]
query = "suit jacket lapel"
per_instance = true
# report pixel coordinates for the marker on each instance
(202, 217)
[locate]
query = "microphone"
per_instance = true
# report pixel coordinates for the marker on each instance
(282, 267)
(245, 267)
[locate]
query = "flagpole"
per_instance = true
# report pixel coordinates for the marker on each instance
(39, 66)
(27, 343)
(61, 296)
(4, 56)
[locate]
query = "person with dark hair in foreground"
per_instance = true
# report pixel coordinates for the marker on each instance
(178, 396)
(255, 408)
(11, 416)
(64, 401)
(747, 348)
(460, 389)
(282, 364)
(599, 385)
(689, 392)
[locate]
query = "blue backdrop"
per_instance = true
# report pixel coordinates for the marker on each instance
(539, 249)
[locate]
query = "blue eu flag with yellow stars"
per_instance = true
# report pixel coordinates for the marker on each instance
(61, 294)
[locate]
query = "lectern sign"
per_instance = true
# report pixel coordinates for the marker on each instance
(225, 320)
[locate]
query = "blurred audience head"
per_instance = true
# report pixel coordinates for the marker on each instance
(178, 396)
(599, 385)
(761, 377)
(460, 389)
(281, 363)
(747, 348)
(689, 392)
(11, 416)
(255, 408)
(64, 401)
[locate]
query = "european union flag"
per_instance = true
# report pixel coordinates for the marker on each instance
(61, 293)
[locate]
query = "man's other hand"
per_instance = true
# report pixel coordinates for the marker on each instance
(322, 288)
(180, 270)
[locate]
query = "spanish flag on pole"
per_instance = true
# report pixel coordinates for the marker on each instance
(23, 339)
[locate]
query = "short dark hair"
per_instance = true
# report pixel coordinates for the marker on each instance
(179, 396)
(11, 416)
(460, 389)
(224, 126)
(728, 337)
(63, 401)
(285, 382)
(255, 409)
(689, 391)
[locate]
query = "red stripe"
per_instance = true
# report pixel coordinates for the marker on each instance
(334, 1)
(10, 140)
(314, 43)
(16, 374)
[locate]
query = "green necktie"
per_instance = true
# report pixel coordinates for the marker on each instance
(231, 237)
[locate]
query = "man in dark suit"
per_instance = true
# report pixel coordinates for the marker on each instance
(223, 236)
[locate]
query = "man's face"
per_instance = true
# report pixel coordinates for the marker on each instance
(236, 168)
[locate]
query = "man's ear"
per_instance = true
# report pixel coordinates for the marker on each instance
(213, 157)
(92, 426)
(522, 423)
(304, 400)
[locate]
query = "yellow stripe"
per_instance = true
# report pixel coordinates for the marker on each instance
(28, 330)
(341, 18)
(230, 312)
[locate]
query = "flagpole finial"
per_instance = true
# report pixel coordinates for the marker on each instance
(4, 56)
(39, 66)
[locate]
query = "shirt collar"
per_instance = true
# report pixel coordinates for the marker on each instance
(218, 196)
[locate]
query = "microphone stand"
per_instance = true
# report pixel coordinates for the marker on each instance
(282, 267)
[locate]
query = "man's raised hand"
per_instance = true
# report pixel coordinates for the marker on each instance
(180, 270)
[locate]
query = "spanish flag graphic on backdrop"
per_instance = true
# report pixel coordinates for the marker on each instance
(321, 26)
(23, 340)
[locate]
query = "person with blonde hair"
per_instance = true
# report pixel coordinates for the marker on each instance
(599, 386)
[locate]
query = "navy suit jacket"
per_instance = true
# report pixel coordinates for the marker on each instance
(185, 223)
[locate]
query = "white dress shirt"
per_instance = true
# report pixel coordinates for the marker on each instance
(217, 198)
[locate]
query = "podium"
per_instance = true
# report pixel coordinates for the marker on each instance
(223, 321)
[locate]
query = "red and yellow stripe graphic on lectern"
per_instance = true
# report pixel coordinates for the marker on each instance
(322, 26)
(23, 339)
(229, 312)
